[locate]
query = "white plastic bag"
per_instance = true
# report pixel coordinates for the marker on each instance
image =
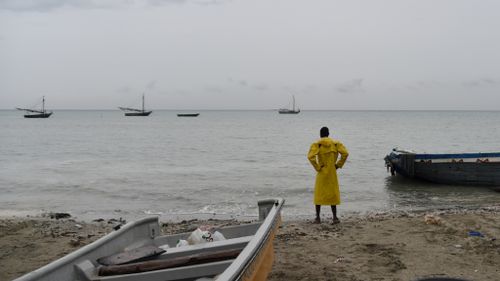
(182, 243)
(217, 236)
(164, 247)
(199, 236)
(204, 234)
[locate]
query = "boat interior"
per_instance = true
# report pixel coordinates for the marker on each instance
(189, 262)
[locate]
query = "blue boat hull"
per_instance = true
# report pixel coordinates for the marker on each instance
(478, 169)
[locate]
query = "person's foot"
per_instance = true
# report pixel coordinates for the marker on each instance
(317, 220)
(335, 221)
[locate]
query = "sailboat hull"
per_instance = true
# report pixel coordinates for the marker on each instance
(39, 115)
(288, 111)
(145, 113)
(188, 115)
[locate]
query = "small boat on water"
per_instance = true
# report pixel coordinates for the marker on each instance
(135, 111)
(481, 169)
(138, 251)
(290, 111)
(187, 114)
(37, 113)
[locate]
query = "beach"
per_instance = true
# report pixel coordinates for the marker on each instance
(376, 246)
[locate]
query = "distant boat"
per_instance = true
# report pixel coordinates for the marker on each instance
(290, 111)
(139, 251)
(136, 112)
(34, 113)
(188, 114)
(482, 169)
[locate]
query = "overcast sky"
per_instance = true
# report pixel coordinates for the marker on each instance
(251, 54)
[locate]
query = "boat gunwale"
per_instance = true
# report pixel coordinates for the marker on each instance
(73, 257)
(236, 270)
(456, 156)
(430, 156)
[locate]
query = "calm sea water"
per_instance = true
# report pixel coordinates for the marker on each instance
(101, 164)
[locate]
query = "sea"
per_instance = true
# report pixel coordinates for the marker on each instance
(100, 164)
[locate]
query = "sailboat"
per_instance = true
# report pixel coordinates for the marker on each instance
(289, 111)
(136, 112)
(34, 113)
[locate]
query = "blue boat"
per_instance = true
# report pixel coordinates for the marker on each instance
(477, 169)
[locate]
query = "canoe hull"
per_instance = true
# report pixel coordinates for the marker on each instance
(256, 261)
(477, 169)
(485, 174)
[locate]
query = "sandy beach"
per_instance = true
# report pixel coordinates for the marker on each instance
(381, 246)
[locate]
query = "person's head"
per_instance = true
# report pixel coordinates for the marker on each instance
(324, 132)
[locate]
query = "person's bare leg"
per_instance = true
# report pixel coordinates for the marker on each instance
(334, 212)
(318, 210)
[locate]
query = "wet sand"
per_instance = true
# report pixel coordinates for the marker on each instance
(384, 246)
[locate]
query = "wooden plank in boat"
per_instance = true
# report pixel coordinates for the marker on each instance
(134, 255)
(169, 263)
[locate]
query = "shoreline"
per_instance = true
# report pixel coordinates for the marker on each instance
(377, 246)
(177, 218)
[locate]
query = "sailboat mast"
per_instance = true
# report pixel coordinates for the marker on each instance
(143, 102)
(43, 104)
(293, 102)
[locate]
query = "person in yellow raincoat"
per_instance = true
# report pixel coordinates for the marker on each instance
(323, 156)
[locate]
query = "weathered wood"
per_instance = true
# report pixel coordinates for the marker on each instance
(169, 263)
(462, 173)
(133, 255)
(476, 169)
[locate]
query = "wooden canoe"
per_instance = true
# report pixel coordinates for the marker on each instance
(480, 169)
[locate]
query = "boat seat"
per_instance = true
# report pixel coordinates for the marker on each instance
(235, 243)
(134, 255)
(89, 271)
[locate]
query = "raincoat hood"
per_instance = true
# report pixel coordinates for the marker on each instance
(326, 145)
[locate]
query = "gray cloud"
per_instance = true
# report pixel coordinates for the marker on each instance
(198, 2)
(80, 52)
(124, 90)
(241, 82)
(165, 2)
(174, 92)
(260, 87)
(151, 85)
(244, 83)
(424, 85)
(484, 82)
(310, 88)
(48, 5)
(353, 86)
(214, 89)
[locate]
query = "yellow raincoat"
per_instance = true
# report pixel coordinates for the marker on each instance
(323, 155)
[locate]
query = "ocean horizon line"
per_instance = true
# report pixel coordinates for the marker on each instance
(272, 109)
